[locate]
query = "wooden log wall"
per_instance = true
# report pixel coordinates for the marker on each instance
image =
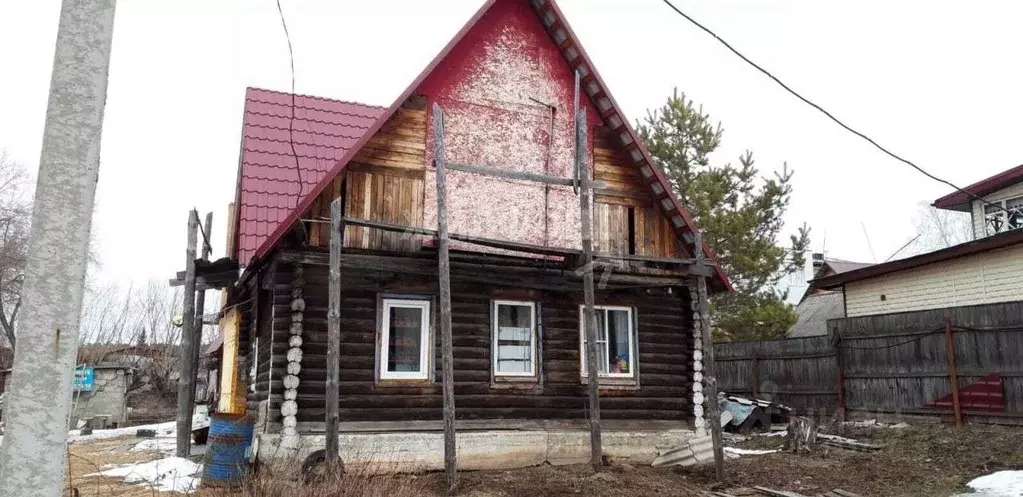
(664, 352)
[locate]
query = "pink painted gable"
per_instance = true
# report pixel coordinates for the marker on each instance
(493, 87)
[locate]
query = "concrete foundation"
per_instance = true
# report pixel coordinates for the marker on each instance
(477, 450)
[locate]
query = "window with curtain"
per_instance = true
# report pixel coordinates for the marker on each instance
(514, 338)
(616, 349)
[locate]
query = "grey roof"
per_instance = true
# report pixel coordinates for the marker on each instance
(815, 311)
(840, 266)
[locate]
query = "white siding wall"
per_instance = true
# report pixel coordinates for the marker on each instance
(984, 278)
(978, 207)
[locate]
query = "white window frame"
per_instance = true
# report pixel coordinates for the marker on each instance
(532, 338)
(632, 341)
(1005, 203)
(1002, 212)
(424, 337)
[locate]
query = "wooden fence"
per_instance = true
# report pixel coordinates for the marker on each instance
(890, 365)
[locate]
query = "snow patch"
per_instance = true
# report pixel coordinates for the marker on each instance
(165, 445)
(749, 452)
(171, 474)
(164, 429)
(1000, 484)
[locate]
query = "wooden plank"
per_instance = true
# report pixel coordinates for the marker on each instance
(619, 200)
(314, 233)
(388, 171)
(184, 417)
(589, 314)
(709, 378)
(444, 273)
(332, 396)
(953, 377)
(200, 307)
(518, 175)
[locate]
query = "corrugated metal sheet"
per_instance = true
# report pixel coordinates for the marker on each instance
(268, 182)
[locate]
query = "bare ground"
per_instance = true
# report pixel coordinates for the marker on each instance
(924, 461)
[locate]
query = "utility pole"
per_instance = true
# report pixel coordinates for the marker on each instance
(33, 459)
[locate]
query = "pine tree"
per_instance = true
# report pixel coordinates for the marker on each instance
(739, 213)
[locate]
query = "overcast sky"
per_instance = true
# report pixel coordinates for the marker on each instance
(935, 81)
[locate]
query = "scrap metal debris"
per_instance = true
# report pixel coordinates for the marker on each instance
(695, 452)
(750, 414)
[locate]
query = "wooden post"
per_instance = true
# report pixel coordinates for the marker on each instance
(337, 232)
(840, 380)
(709, 376)
(756, 371)
(589, 315)
(186, 374)
(953, 373)
(444, 276)
(200, 309)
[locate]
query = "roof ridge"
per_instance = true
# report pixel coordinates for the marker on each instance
(314, 97)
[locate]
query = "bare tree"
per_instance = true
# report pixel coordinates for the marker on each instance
(938, 228)
(15, 217)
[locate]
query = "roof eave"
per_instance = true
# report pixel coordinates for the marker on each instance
(973, 247)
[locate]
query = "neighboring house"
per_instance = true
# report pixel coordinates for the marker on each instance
(795, 282)
(100, 394)
(987, 270)
(818, 305)
(506, 87)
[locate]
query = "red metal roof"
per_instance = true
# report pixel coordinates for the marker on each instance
(960, 201)
(268, 182)
(554, 20)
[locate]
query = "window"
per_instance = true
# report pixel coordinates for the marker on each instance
(616, 350)
(1015, 216)
(405, 340)
(1002, 216)
(514, 338)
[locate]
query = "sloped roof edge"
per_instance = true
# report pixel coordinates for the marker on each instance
(683, 222)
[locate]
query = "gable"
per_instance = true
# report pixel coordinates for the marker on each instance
(492, 81)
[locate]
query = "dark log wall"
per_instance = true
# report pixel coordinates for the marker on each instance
(664, 351)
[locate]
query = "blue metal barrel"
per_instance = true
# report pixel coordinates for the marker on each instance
(226, 462)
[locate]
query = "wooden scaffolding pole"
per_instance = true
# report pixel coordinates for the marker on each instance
(337, 232)
(200, 309)
(444, 277)
(589, 314)
(185, 384)
(709, 376)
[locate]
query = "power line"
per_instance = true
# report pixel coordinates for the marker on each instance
(825, 112)
(291, 120)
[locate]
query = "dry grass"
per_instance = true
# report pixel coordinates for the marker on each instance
(92, 457)
(282, 480)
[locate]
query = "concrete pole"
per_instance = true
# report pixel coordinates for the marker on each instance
(33, 459)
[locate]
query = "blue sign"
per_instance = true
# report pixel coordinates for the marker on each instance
(85, 378)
